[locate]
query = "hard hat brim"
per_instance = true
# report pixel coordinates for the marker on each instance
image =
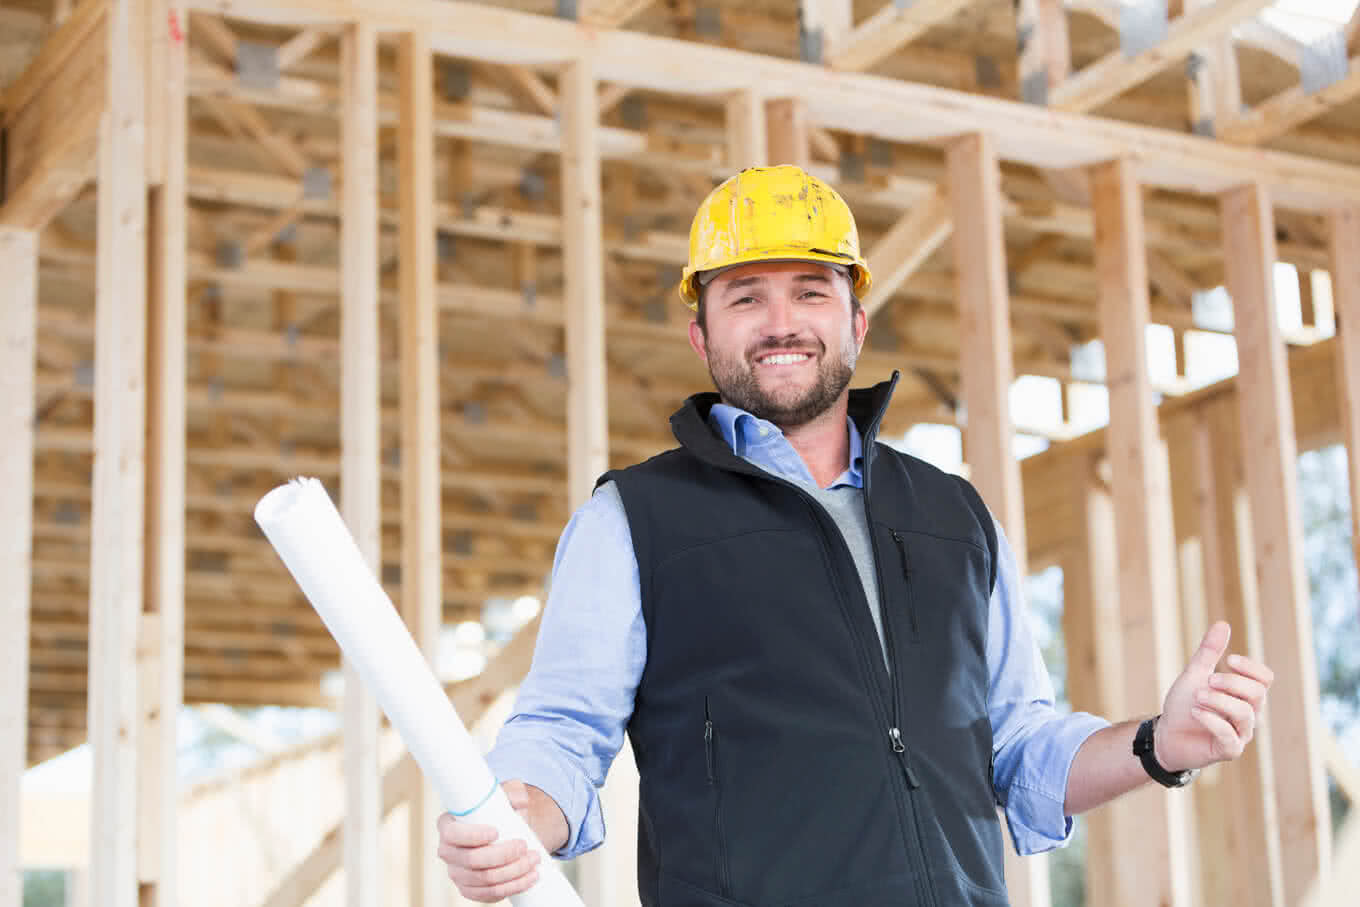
(860, 277)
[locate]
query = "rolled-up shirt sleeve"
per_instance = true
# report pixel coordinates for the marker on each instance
(572, 708)
(1032, 741)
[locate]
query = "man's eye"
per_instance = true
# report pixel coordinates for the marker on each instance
(743, 300)
(813, 294)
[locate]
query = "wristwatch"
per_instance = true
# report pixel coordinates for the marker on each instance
(1146, 752)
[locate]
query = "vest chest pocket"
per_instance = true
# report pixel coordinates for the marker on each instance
(719, 833)
(936, 587)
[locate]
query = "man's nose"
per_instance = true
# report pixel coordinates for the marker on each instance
(781, 317)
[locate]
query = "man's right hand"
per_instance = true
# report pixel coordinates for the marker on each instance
(486, 869)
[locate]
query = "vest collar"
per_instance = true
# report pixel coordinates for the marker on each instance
(690, 424)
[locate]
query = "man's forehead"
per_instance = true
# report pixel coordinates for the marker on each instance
(760, 272)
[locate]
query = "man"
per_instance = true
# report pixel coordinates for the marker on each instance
(817, 644)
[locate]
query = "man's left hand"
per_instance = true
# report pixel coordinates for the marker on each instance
(1209, 715)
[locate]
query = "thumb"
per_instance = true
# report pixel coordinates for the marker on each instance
(1212, 647)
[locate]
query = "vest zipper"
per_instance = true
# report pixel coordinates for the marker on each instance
(719, 834)
(906, 575)
(899, 747)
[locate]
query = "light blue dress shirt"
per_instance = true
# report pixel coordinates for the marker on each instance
(572, 709)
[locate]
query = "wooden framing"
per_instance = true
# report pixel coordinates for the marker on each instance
(18, 260)
(359, 443)
(161, 647)
(1045, 52)
(1141, 490)
(1095, 663)
(1117, 72)
(1241, 849)
(422, 538)
(853, 102)
(887, 30)
(1270, 451)
(554, 290)
(118, 496)
(1344, 236)
(984, 317)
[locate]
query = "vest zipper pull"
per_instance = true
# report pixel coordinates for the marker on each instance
(900, 749)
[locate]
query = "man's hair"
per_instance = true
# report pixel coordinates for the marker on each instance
(703, 291)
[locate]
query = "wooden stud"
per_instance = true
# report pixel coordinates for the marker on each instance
(605, 874)
(1307, 308)
(787, 131)
(1112, 75)
(19, 262)
(987, 370)
(1141, 485)
(829, 20)
(902, 250)
(747, 145)
(1270, 452)
(1045, 52)
(162, 646)
(118, 496)
(359, 440)
(1095, 680)
(888, 30)
(1344, 249)
(1215, 85)
(421, 539)
(1241, 850)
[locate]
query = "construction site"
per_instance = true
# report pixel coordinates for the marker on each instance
(426, 251)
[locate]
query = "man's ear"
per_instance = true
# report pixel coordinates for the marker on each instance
(861, 326)
(697, 340)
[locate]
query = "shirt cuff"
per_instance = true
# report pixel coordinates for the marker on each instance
(1035, 798)
(540, 764)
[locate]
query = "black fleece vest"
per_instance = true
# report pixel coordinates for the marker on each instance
(780, 762)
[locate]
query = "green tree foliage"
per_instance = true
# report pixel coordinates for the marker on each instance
(44, 888)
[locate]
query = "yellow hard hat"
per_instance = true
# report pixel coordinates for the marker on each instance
(772, 214)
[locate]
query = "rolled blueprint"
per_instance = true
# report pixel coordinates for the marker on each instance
(306, 530)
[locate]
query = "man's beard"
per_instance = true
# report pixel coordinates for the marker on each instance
(736, 381)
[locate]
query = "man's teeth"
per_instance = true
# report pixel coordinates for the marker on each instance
(785, 358)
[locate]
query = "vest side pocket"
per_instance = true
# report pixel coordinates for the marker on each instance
(719, 835)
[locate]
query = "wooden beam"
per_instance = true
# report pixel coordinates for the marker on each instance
(1117, 72)
(787, 133)
(421, 538)
(303, 44)
(1095, 659)
(1290, 108)
(824, 25)
(161, 653)
(841, 101)
(1270, 452)
(610, 13)
(1045, 51)
(1215, 85)
(747, 145)
(50, 115)
(1246, 849)
(987, 370)
(898, 253)
(531, 85)
(1344, 249)
(1157, 855)
(19, 262)
(117, 507)
(587, 395)
(359, 439)
(894, 26)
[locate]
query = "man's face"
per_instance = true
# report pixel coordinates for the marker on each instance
(780, 339)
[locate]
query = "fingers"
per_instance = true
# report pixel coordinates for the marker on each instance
(492, 894)
(464, 834)
(1212, 647)
(1227, 742)
(1238, 712)
(1243, 687)
(1253, 669)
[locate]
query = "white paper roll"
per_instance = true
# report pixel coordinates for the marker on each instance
(306, 530)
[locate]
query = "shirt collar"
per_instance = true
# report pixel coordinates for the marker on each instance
(746, 435)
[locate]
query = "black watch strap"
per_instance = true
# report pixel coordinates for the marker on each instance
(1145, 749)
